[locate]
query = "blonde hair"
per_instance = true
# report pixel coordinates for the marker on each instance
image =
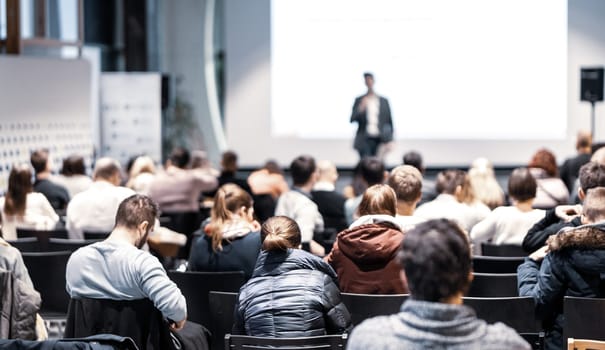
(228, 200)
(378, 199)
(484, 184)
(280, 233)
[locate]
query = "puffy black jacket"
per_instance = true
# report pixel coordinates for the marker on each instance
(573, 267)
(291, 294)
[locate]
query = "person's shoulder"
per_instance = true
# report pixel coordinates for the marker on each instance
(501, 336)
(375, 333)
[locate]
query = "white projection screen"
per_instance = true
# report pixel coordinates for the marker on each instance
(464, 78)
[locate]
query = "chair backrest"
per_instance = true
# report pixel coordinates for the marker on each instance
(47, 271)
(493, 285)
(493, 264)
(42, 235)
(363, 306)
(516, 312)
(490, 249)
(585, 344)
(185, 223)
(95, 235)
(27, 244)
(584, 318)
(71, 245)
(222, 308)
(335, 342)
(195, 286)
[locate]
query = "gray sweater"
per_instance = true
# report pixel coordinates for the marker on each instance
(427, 325)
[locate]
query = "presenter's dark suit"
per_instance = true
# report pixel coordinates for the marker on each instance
(364, 144)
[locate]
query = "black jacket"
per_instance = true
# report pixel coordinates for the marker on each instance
(550, 225)
(291, 294)
(331, 206)
(573, 267)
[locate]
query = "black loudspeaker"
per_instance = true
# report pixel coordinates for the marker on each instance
(591, 87)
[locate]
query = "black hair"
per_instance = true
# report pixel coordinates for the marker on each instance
(372, 170)
(414, 159)
(301, 169)
(179, 157)
(591, 175)
(522, 185)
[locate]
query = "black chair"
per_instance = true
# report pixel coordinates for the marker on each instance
(71, 245)
(42, 235)
(27, 244)
(490, 249)
(95, 235)
(195, 287)
(493, 264)
(47, 271)
(493, 285)
(185, 223)
(334, 342)
(326, 238)
(584, 318)
(222, 308)
(516, 312)
(363, 306)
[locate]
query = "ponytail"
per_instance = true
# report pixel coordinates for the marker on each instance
(280, 233)
(228, 199)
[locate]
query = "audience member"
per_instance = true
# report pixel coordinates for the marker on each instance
(231, 240)
(267, 184)
(23, 208)
(573, 263)
(292, 293)
(201, 163)
(56, 194)
(297, 204)
(551, 189)
(591, 175)
(571, 167)
(507, 225)
(95, 209)
(229, 172)
(357, 185)
(141, 175)
(372, 173)
(484, 184)
(406, 181)
(414, 159)
(363, 256)
(436, 259)
(73, 175)
(331, 204)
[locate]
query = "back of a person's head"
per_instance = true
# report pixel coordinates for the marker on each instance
(229, 161)
(378, 199)
(279, 233)
(593, 208)
(449, 180)
(273, 167)
(19, 185)
(414, 159)
(591, 175)
(106, 169)
(327, 171)
(436, 259)
(39, 160)
(142, 164)
(301, 169)
(406, 181)
(545, 160)
(598, 156)
(136, 209)
(199, 159)
(483, 182)
(372, 170)
(73, 165)
(583, 140)
(522, 186)
(179, 157)
(229, 199)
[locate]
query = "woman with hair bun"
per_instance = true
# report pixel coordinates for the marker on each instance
(292, 293)
(232, 239)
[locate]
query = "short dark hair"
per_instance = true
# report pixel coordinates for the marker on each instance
(39, 159)
(436, 258)
(591, 175)
(414, 159)
(301, 169)
(179, 157)
(449, 180)
(372, 170)
(229, 161)
(136, 209)
(368, 75)
(73, 165)
(106, 168)
(522, 185)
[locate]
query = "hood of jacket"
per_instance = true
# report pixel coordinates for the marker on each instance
(273, 263)
(370, 244)
(584, 246)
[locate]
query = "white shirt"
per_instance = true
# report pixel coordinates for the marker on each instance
(95, 209)
(74, 184)
(408, 222)
(39, 215)
(446, 206)
(301, 209)
(372, 110)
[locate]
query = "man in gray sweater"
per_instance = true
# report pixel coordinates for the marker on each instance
(437, 263)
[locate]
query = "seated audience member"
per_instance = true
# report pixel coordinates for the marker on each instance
(414, 159)
(357, 185)
(73, 175)
(329, 202)
(201, 163)
(364, 255)
(95, 209)
(267, 184)
(571, 167)
(453, 188)
(436, 260)
(508, 225)
(292, 293)
(23, 208)
(573, 263)
(551, 189)
(406, 181)
(297, 204)
(484, 183)
(229, 175)
(372, 173)
(591, 175)
(56, 194)
(231, 240)
(141, 175)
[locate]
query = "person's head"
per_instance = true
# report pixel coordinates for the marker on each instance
(406, 181)
(584, 141)
(230, 202)
(327, 171)
(450, 181)
(179, 157)
(414, 159)
(107, 169)
(593, 209)
(272, 167)
(199, 159)
(302, 170)
(522, 186)
(484, 184)
(378, 199)
(280, 233)
(142, 164)
(73, 165)
(545, 160)
(19, 185)
(591, 175)
(229, 162)
(39, 160)
(372, 170)
(369, 80)
(137, 214)
(436, 258)
(598, 156)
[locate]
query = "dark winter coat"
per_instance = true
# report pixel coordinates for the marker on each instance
(549, 225)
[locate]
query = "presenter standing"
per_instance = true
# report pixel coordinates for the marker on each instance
(373, 116)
